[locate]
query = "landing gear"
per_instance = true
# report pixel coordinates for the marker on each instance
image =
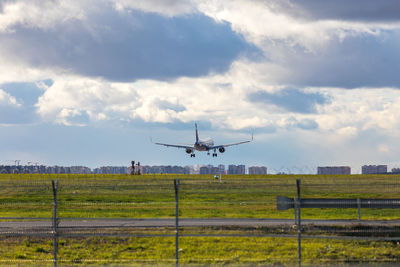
(214, 154)
(192, 155)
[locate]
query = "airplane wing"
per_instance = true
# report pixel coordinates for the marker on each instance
(233, 144)
(171, 145)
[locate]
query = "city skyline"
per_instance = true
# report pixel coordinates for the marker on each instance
(198, 169)
(144, 169)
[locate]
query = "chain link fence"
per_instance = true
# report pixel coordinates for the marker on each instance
(150, 220)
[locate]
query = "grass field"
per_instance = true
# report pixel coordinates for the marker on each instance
(152, 196)
(200, 250)
(200, 195)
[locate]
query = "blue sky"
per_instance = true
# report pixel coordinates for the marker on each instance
(89, 82)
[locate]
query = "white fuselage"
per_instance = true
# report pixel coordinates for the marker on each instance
(203, 145)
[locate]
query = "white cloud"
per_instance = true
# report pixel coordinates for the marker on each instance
(7, 100)
(296, 49)
(116, 46)
(262, 23)
(163, 7)
(221, 100)
(384, 148)
(13, 71)
(70, 97)
(347, 132)
(362, 109)
(218, 99)
(40, 13)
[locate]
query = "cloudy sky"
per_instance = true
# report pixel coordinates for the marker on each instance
(88, 82)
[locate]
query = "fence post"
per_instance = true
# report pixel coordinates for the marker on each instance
(298, 206)
(55, 222)
(359, 208)
(176, 186)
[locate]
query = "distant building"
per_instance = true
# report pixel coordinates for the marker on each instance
(188, 170)
(236, 169)
(396, 170)
(374, 169)
(166, 169)
(221, 169)
(210, 170)
(110, 170)
(56, 169)
(204, 170)
(80, 170)
(257, 170)
(334, 170)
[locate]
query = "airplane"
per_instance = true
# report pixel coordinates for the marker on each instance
(203, 145)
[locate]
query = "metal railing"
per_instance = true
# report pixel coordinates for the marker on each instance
(285, 203)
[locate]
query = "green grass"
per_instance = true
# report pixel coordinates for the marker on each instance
(252, 251)
(149, 196)
(152, 196)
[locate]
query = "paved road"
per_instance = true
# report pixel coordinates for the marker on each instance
(87, 223)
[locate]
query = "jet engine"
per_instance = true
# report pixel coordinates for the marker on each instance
(189, 151)
(221, 149)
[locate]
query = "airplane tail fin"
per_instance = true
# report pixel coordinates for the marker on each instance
(197, 133)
